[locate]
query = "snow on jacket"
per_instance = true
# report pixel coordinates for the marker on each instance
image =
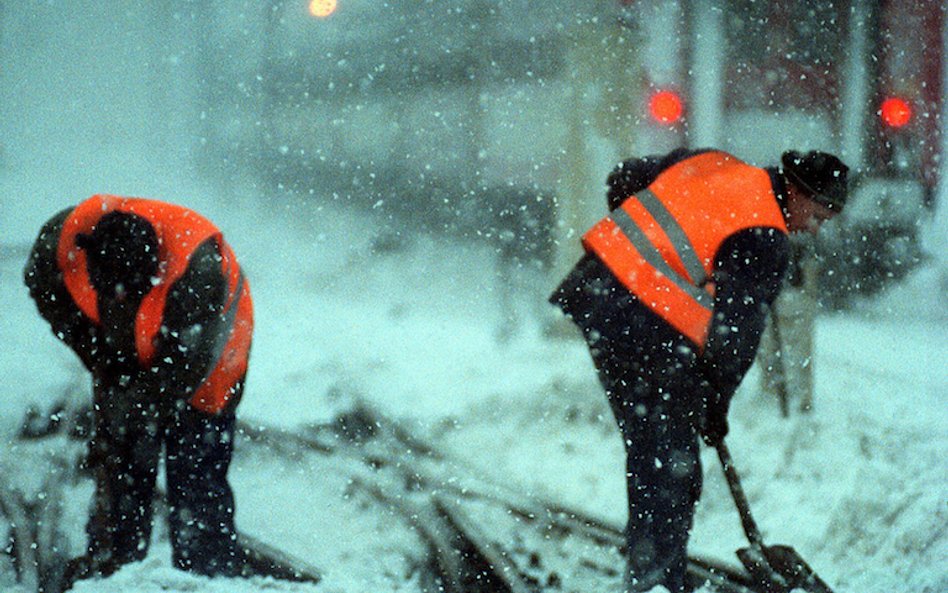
(742, 262)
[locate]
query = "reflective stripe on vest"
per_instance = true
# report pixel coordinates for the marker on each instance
(661, 243)
(235, 337)
(682, 246)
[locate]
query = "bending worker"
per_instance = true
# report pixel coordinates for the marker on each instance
(671, 297)
(153, 302)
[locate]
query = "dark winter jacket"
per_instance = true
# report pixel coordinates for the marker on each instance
(189, 341)
(748, 272)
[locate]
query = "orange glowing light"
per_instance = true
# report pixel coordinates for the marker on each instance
(895, 112)
(322, 8)
(665, 107)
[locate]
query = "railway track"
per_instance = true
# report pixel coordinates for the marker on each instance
(477, 535)
(481, 535)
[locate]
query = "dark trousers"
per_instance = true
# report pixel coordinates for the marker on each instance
(131, 432)
(648, 372)
(663, 467)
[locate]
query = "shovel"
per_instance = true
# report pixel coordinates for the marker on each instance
(774, 569)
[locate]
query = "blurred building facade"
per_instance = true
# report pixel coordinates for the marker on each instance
(445, 111)
(431, 105)
(480, 119)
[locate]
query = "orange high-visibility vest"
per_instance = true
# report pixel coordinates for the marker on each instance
(661, 242)
(180, 231)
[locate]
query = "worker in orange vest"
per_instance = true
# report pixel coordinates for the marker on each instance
(671, 297)
(152, 300)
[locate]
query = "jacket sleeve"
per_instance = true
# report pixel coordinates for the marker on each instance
(630, 176)
(44, 280)
(634, 174)
(191, 333)
(748, 276)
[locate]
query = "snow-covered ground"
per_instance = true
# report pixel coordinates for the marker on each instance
(859, 487)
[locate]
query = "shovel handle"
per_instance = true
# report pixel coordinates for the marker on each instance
(780, 364)
(740, 500)
(782, 567)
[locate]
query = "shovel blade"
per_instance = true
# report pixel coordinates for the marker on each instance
(785, 561)
(763, 576)
(780, 569)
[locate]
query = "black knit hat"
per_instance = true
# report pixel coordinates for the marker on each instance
(821, 174)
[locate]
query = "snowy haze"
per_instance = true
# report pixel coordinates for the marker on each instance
(92, 100)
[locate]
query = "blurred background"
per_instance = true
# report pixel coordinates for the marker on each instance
(406, 181)
(490, 122)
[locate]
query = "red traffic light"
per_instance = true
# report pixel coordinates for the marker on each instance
(665, 107)
(895, 112)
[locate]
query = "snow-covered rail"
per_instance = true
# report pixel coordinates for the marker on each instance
(480, 535)
(474, 534)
